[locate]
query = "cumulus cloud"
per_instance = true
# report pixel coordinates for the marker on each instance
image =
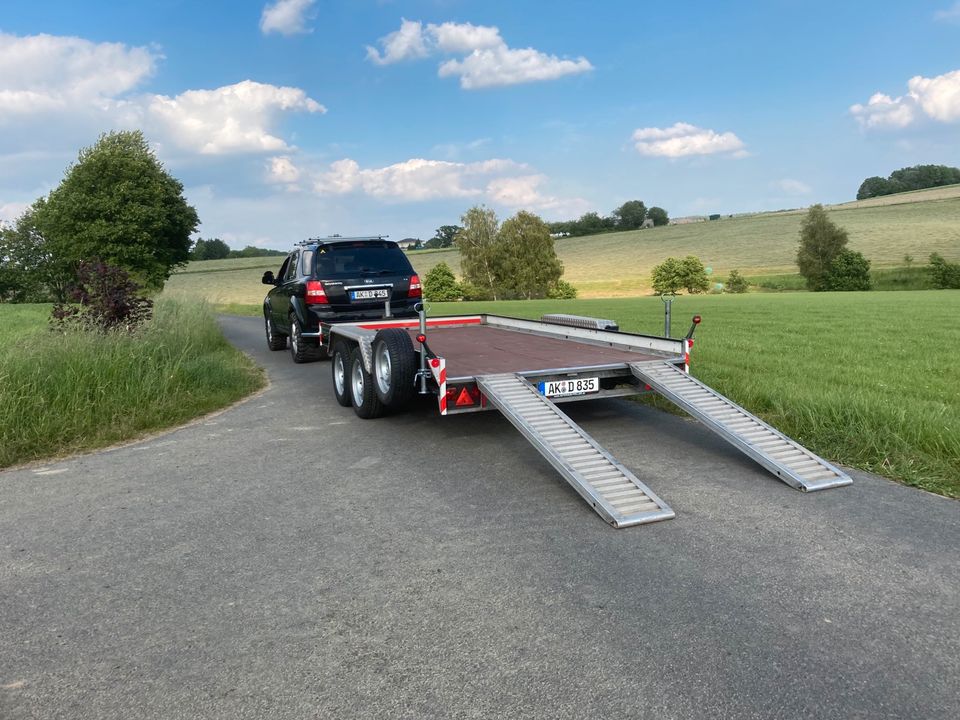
(287, 17)
(9, 212)
(683, 140)
(234, 118)
(42, 73)
(281, 170)
(949, 15)
(792, 187)
(487, 60)
(937, 98)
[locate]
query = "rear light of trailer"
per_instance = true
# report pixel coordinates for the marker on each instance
(316, 295)
(415, 289)
(463, 395)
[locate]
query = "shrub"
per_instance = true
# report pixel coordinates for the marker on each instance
(945, 275)
(849, 270)
(561, 290)
(736, 283)
(106, 299)
(674, 274)
(440, 285)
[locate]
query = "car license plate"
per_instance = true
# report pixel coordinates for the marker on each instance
(570, 386)
(369, 294)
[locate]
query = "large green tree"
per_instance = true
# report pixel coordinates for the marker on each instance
(213, 249)
(820, 242)
(658, 215)
(443, 237)
(630, 215)
(28, 270)
(528, 263)
(479, 258)
(118, 204)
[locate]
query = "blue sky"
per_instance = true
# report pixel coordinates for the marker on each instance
(309, 117)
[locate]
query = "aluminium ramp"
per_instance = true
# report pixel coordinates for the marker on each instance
(610, 489)
(789, 461)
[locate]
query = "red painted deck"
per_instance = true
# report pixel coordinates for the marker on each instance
(484, 350)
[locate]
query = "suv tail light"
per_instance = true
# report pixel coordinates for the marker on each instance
(415, 289)
(316, 295)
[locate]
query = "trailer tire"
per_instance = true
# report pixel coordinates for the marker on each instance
(340, 372)
(366, 404)
(275, 340)
(303, 350)
(394, 367)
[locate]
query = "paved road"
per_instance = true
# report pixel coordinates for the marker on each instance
(287, 560)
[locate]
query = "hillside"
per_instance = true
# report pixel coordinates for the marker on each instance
(884, 229)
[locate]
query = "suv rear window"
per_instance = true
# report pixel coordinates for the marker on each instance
(348, 260)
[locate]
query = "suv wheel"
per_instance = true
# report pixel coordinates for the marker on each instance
(394, 366)
(340, 368)
(303, 349)
(275, 340)
(366, 404)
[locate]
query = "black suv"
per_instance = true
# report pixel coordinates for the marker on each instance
(336, 279)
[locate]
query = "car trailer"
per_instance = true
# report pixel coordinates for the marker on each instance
(526, 368)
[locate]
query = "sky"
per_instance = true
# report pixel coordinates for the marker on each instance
(291, 119)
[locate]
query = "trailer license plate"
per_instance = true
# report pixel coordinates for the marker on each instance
(572, 386)
(369, 294)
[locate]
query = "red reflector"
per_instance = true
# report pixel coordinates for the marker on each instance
(464, 399)
(696, 319)
(421, 339)
(691, 342)
(316, 295)
(415, 288)
(435, 362)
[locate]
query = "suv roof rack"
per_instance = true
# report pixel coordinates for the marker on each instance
(339, 238)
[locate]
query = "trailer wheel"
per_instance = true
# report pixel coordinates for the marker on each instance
(303, 350)
(394, 367)
(340, 370)
(275, 340)
(366, 404)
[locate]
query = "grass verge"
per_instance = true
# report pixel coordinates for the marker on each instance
(63, 393)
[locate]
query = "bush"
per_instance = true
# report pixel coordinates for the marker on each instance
(674, 274)
(440, 285)
(736, 283)
(106, 299)
(561, 290)
(849, 270)
(945, 275)
(475, 292)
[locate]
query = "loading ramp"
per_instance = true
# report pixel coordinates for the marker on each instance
(617, 495)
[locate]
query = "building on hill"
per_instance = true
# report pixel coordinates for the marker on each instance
(409, 243)
(648, 223)
(687, 220)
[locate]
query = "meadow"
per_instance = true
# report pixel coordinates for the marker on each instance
(67, 392)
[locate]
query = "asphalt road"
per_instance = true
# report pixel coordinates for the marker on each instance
(286, 559)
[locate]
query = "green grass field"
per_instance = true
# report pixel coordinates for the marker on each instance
(869, 380)
(619, 264)
(62, 393)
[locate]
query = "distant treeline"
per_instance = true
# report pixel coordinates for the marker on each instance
(632, 215)
(217, 249)
(918, 177)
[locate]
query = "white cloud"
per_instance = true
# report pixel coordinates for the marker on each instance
(683, 140)
(282, 170)
(287, 17)
(404, 44)
(9, 212)
(950, 15)
(792, 187)
(937, 98)
(488, 61)
(42, 73)
(234, 118)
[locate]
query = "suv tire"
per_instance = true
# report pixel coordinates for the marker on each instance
(340, 370)
(302, 349)
(275, 340)
(394, 367)
(366, 404)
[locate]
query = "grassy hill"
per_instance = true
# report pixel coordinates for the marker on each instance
(884, 229)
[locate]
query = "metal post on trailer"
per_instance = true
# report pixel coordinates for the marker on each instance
(667, 302)
(423, 351)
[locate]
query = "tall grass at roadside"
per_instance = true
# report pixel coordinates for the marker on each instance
(870, 380)
(64, 392)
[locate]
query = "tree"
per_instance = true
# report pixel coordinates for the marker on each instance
(528, 264)
(440, 285)
(736, 283)
(214, 249)
(477, 241)
(945, 275)
(820, 242)
(674, 274)
(28, 270)
(444, 236)
(118, 204)
(630, 215)
(658, 215)
(849, 270)
(918, 177)
(873, 187)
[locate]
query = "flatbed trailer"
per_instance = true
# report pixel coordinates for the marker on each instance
(526, 368)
